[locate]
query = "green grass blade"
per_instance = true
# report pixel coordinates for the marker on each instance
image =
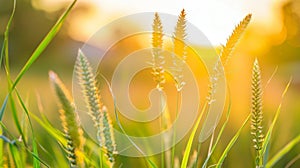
(219, 134)
(50, 129)
(283, 152)
(16, 118)
(1, 149)
(231, 143)
(4, 50)
(45, 42)
(36, 163)
(269, 133)
(16, 156)
(3, 107)
(149, 161)
(191, 138)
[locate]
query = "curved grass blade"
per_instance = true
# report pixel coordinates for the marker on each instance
(3, 107)
(16, 118)
(36, 162)
(269, 133)
(219, 134)
(283, 152)
(45, 42)
(231, 143)
(56, 134)
(191, 138)
(16, 156)
(41, 47)
(4, 50)
(149, 161)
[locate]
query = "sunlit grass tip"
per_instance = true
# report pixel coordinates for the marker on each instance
(158, 59)
(234, 38)
(180, 47)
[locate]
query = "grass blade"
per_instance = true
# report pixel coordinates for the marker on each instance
(269, 133)
(56, 134)
(219, 134)
(45, 42)
(1, 149)
(16, 118)
(36, 162)
(191, 138)
(4, 50)
(16, 156)
(3, 107)
(283, 152)
(231, 143)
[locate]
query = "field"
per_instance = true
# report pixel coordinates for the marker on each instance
(146, 90)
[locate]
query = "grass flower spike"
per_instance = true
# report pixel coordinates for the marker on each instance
(70, 122)
(180, 53)
(233, 39)
(158, 60)
(96, 109)
(257, 114)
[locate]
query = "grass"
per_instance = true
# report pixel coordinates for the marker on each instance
(79, 150)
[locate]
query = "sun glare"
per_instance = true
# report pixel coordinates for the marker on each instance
(216, 19)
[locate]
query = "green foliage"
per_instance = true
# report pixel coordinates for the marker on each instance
(80, 150)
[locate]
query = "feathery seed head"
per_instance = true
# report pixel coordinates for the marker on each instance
(158, 59)
(96, 109)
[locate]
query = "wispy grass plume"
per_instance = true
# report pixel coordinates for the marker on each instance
(70, 122)
(233, 39)
(179, 41)
(96, 109)
(158, 59)
(257, 113)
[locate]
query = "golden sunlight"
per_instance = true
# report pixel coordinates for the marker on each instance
(214, 18)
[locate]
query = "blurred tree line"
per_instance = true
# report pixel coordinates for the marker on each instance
(28, 28)
(30, 25)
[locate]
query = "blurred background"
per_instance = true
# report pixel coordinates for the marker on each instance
(273, 36)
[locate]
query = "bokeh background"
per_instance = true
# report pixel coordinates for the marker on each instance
(273, 36)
